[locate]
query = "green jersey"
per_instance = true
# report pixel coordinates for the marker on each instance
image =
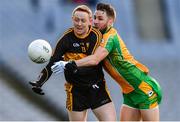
(127, 72)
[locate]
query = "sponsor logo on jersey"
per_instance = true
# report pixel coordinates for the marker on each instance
(76, 45)
(95, 86)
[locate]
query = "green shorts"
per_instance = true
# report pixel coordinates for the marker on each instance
(147, 96)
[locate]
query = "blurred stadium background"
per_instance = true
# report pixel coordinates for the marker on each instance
(150, 29)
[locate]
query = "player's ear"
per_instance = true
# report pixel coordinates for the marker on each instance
(111, 21)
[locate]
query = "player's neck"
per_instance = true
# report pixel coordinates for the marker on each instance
(84, 35)
(103, 31)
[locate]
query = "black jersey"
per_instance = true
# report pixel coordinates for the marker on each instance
(72, 47)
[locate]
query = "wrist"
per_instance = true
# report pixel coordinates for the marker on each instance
(71, 66)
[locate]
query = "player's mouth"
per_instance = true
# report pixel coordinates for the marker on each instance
(79, 29)
(96, 26)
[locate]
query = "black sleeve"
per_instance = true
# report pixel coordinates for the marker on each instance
(57, 56)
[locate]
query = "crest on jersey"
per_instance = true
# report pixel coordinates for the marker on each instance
(87, 45)
(102, 41)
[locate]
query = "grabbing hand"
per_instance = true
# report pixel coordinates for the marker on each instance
(71, 67)
(36, 88)
(60, 66)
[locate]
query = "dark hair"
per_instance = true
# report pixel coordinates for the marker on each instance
(110, 11)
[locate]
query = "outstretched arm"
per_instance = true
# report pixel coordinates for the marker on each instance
(90, 60)
(94, 59)
(46, 72)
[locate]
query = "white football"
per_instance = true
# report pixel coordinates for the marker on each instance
(39, 51)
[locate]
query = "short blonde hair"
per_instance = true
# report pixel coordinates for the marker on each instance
(83, 8)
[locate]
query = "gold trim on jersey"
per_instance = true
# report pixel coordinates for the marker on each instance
(153, 105)
(127, 56)
(125, 86)
(107, 35)
(82, 37)
(104, 41)
(66, 32)
(74, 56)
(99, 38)
(69, 99)
(145, 87)
(125, 53)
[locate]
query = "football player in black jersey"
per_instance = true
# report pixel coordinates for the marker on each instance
(86, 87)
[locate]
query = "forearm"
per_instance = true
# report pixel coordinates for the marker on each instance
(88, 61)
(45, 74)
(94, 59)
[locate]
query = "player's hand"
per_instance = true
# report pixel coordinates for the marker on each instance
(58, 67)
(36, 88)
(71, 67)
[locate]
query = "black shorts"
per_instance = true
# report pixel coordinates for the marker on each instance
(82, 98)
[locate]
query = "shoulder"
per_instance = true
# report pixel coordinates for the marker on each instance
(112, 31)
(68, 31)
(65, 35)
(96, 31)
(110, 34)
